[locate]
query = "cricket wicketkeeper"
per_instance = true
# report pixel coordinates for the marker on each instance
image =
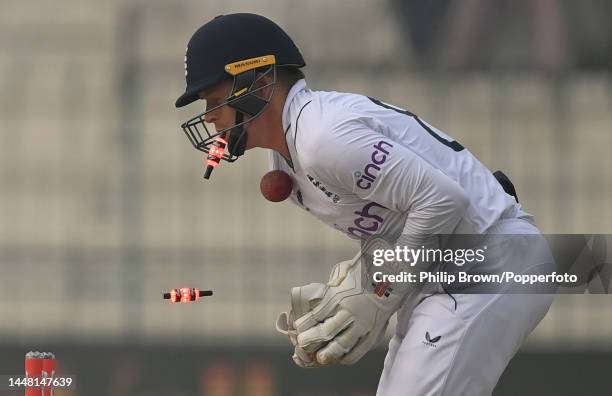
(384, 177)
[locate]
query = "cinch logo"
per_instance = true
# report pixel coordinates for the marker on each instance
(367, 223)
(431, 341)
(370, 172)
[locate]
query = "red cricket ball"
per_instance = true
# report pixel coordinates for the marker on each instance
(276, 186)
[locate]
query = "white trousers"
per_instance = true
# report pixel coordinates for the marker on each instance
(460, 345)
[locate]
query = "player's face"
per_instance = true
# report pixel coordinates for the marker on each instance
(224, 116)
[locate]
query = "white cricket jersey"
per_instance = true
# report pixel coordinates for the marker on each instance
(366, 167)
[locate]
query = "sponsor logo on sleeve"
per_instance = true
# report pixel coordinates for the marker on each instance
(331, 195)
(431, 341)
(371, 171)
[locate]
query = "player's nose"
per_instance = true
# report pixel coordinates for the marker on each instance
(210, 117)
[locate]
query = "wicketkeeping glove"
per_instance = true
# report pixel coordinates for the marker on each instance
(343, 320)
(303, 299)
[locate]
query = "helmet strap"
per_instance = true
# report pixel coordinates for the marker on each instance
(238, 137)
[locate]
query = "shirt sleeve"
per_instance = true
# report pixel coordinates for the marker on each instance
(376, 168)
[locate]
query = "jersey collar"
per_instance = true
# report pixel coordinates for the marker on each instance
(297, 87)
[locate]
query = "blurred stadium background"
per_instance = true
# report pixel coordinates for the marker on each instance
(103, 206)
